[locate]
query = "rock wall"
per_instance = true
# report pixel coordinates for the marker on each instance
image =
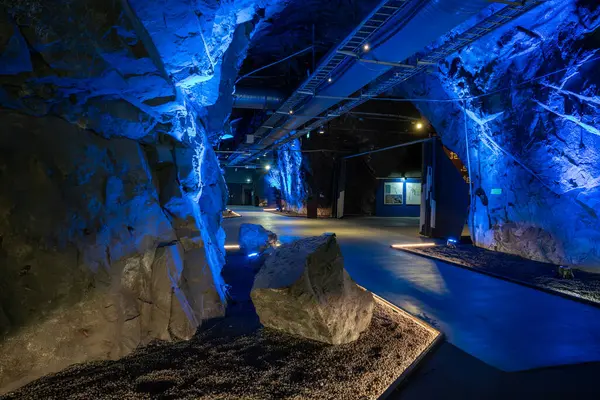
(111, 196)
(92, 266)
(529, 129)
(287, 176)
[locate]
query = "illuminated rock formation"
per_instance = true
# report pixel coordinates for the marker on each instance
(287, 176)
(531, 121)
(303, 289)
(255, 238)
(112, 200)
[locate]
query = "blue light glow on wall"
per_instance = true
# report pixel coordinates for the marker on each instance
(528, 129)
(287, 176)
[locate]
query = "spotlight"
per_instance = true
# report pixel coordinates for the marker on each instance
(251, 255)
(248, 180)
(308, 135)
(291, 112)
(267, 167)
(329, 80)
(366, 47)
(451, 242)
(419, 125)
(321, 130)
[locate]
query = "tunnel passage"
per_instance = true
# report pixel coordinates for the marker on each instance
(446, 186)
(120, 118)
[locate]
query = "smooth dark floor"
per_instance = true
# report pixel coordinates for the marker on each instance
(450, 373)
(507, 326)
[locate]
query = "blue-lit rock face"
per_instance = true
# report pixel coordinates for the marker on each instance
(287, 176)
(254, 239)
(110, 224)
(91, 264)
(533, 146)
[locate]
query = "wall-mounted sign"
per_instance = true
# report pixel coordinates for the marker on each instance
(413, 193)
(392, 193)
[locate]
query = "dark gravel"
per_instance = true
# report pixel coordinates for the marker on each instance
(235, 358)
(586, 285)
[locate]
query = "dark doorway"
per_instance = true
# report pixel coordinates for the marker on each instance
(445, 195)
(248, 194)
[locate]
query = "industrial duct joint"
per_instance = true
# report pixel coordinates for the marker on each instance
(257, 98)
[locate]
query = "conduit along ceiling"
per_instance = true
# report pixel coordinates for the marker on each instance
(298, 81)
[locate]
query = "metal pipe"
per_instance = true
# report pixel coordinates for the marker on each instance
(274, 63)
(257, 99)
(388, 148)
(385, 115)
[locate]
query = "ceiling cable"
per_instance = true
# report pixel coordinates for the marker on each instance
(275, 63)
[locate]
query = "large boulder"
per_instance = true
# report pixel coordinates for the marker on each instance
(256, 239)
(90, 265)
(303, 289)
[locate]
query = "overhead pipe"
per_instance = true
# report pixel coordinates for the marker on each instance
(433, 20)
(257, 98)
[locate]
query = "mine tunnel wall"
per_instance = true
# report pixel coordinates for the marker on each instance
(533, 147)
(98, 253)
(111, 195)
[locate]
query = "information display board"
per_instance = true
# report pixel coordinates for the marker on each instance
(393, 193)
(413, 193)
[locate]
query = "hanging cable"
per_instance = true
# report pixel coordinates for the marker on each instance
(274, 63)
(471, 202)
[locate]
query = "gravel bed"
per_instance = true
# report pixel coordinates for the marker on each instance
(218, 363)
(586, 285)
(236, 358)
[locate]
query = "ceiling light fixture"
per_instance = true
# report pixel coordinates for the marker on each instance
(366, 47)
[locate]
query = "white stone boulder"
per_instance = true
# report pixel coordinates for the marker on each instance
(255, 239)
(303, 289)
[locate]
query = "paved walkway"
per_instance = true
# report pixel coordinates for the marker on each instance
(508, 326)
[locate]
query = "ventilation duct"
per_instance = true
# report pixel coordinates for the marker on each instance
(257, 99)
